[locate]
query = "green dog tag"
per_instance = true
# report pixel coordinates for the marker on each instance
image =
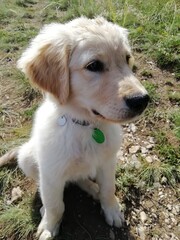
(98, 135)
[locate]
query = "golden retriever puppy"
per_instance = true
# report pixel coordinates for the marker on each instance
(84, 69)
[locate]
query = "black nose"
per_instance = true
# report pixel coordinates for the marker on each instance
(137, 103)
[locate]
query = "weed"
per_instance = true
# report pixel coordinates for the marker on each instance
(9, 178)
(125, 178)
(153, 27)
(169, 153)
(24, 3)
(146, 73)
(16, 220)
(22, 132)
(174, 97)
(146, 175)
(127, 182)
(175, 123)
(153, 172)
(30, 111)
(151, 89)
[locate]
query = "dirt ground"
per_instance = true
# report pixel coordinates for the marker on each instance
(83, 218)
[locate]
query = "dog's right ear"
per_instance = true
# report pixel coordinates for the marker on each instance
(45, 62)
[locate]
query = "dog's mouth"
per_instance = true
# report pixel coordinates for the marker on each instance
(125, 117)
(97, 114)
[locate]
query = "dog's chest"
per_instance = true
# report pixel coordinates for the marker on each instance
(72, 149)
(86, 155)
(92, 141)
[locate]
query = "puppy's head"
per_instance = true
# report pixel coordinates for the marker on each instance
(86, 64)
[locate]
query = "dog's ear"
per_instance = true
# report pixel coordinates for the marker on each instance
(45, 63)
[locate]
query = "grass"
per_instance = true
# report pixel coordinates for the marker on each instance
(154, 32)
(17, 219)
(175, 119)
(149, 174)
(24, 225)
(174, 96)
(29, 113)
(151, 88)
(169, 153)
(153, 25)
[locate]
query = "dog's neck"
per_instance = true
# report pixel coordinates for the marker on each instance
(62, 120)
(97, 134)
(83, 123)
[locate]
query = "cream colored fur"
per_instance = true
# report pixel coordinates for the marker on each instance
(56, 62)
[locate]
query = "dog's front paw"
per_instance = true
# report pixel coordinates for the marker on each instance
(44, 233)
(113, 215)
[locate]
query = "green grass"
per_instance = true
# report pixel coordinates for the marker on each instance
(9, 178)
(127, 180)
(148, 174)
(175, 120)
(151, 88)
(153, 173)
(174, 96)
(29, 113)
(153, 25)
(16, 220)
(169, 152)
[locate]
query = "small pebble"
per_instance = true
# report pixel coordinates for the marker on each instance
(132, 127)
(149, 159)
(134, 149)
(141, 232)
(143, 217)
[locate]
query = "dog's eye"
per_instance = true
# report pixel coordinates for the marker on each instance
(95, 66)
(130, 60)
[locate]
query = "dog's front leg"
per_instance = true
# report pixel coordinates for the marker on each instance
(109, 202)
(53, 206)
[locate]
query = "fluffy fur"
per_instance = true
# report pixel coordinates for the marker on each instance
(57, 62)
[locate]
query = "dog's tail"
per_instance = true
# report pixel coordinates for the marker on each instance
(9, 157)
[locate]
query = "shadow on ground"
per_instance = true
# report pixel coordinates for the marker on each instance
(83, 219)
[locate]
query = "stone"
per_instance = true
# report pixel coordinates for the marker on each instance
(155, 216)
(144, 150)
(173, 236)
(174, 221)
(16, 194)
(133, 127)
(163, 180)
(134, 149)
(149, 159)
(167, 220)
(161, 193)
(151, 139)
(149, 146)
(166, 236)
(143, 217)
(141, 232)
(169, 207)
(177, 207)
(135, 162)
(120, 155)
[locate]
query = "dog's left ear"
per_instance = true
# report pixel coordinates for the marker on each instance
(45, 62)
